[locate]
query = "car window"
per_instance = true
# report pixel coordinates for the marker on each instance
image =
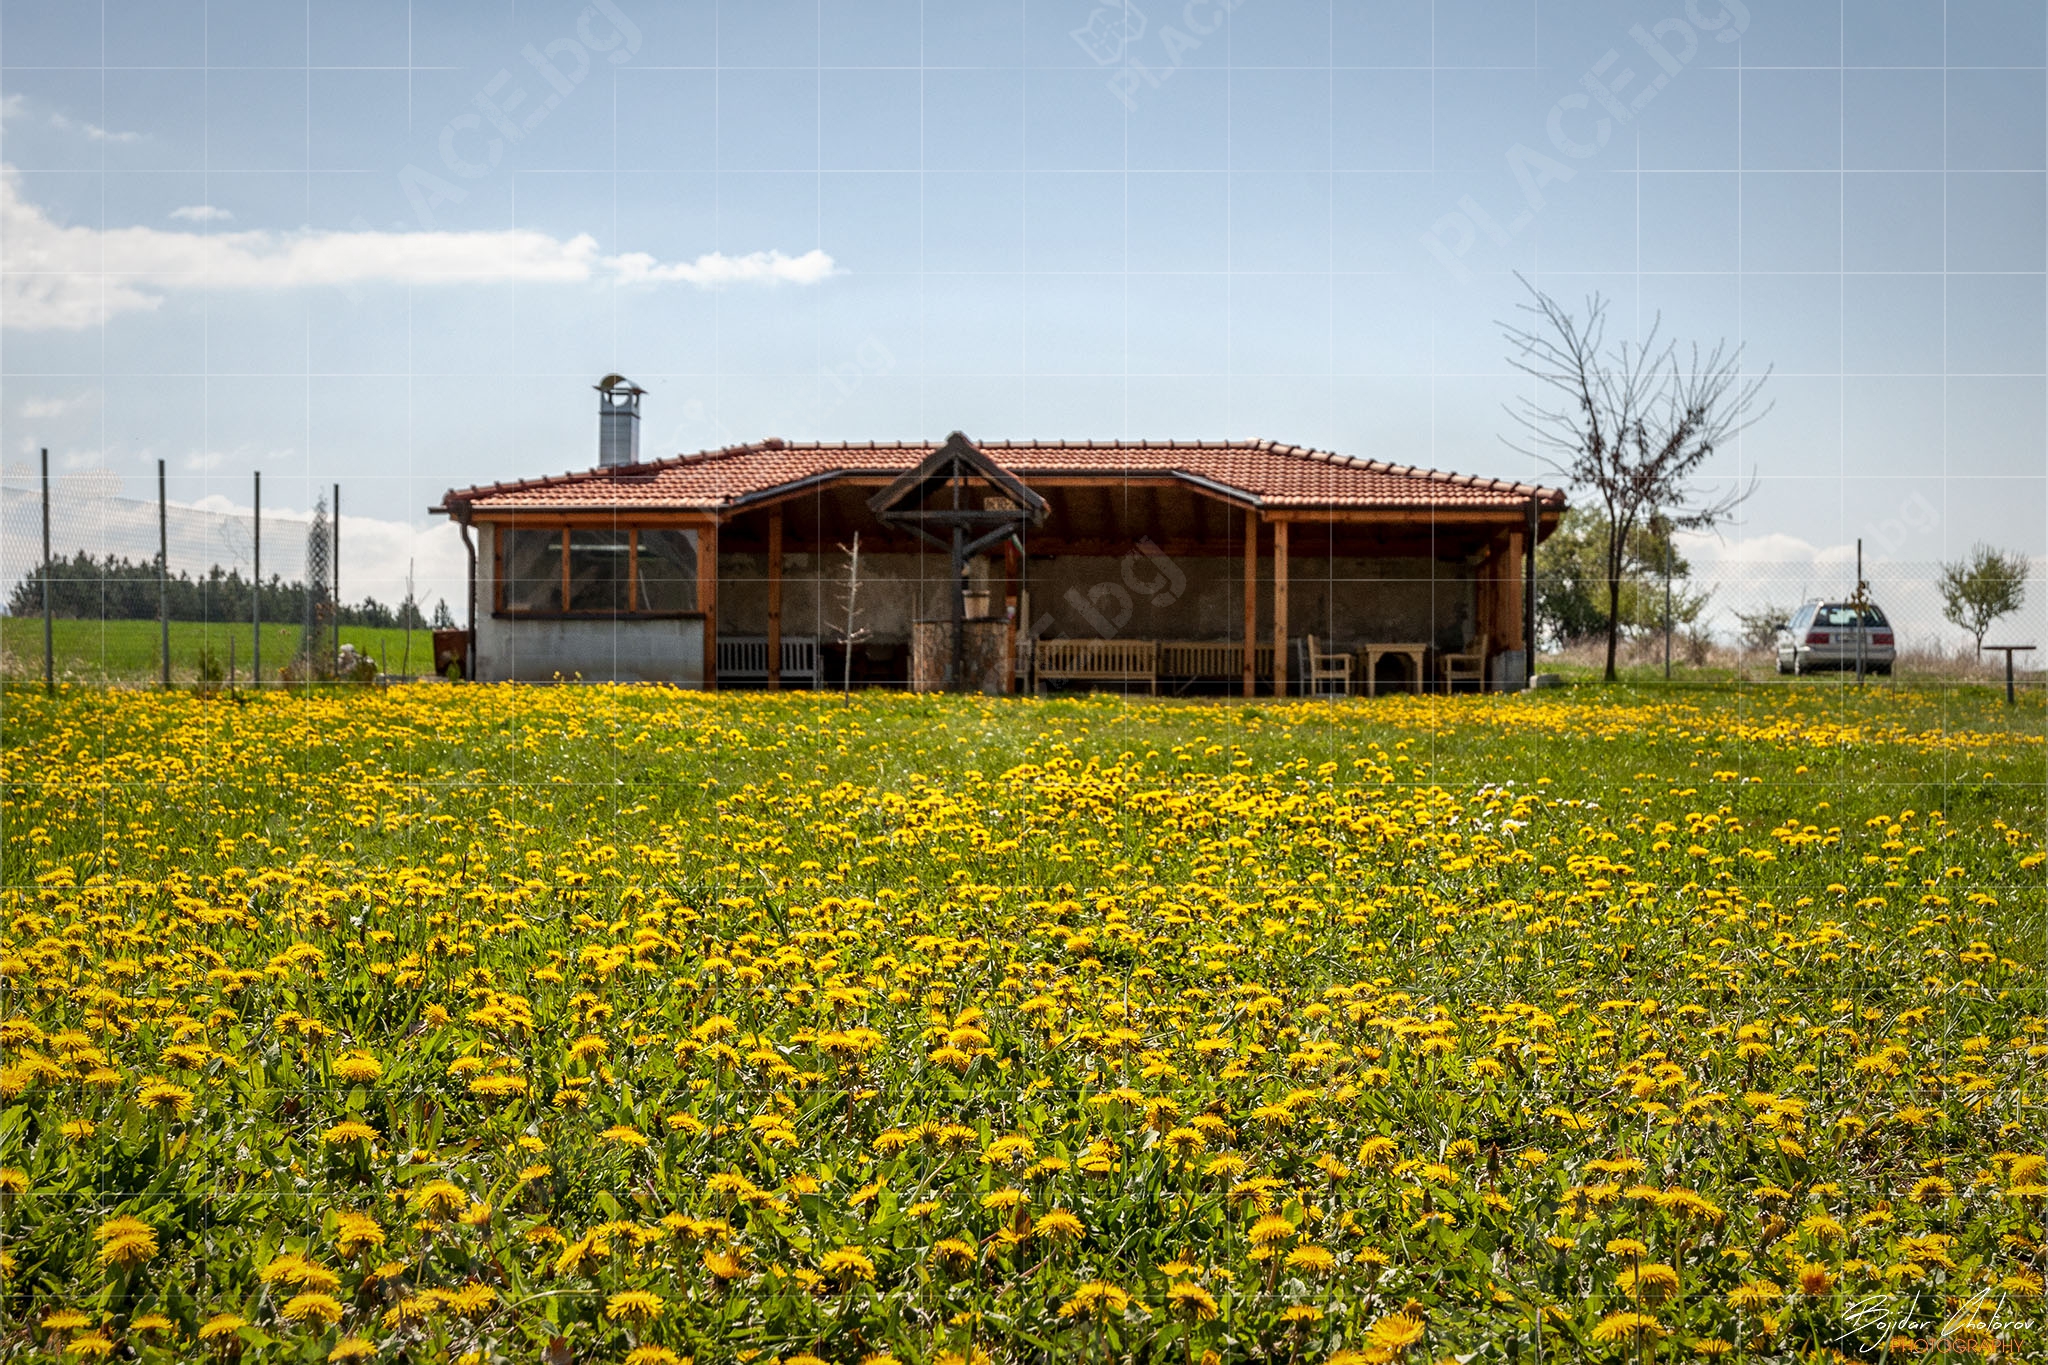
(1842, 615)
(1801, 617)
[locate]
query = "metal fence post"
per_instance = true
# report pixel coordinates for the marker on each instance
(49, 648)
(334, 570)
(163, 571)
(256, 590)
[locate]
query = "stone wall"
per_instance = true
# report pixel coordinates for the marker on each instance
(985, 657)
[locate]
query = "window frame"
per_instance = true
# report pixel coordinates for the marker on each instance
(501, 550)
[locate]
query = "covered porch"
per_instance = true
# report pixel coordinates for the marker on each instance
(1149, 585)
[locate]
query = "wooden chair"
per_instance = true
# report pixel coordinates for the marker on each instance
(1319, 667)
(1467, 666)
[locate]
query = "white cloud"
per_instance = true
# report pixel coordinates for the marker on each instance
(201, 213)
(43, 408)
(57, 277)
(91, 130)
(716, 268)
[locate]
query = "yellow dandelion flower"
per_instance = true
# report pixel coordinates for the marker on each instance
(634, 1305)
(313, 1306)
(1395, 1332)
(221, 1325)
(1101, 1298)
(1627, 1327)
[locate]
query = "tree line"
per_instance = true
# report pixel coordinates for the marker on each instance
(120, 589)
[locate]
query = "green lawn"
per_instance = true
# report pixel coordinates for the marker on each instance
(1602, 1025)
(129, 651)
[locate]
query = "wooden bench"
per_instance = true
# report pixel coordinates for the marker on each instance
(744, 659)
(1097, 661)
(1206, 659)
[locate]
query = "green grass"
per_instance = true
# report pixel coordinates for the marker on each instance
(130, 651)
(641, 1024)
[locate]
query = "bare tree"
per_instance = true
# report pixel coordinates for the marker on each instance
(1977, 591)
(854, 633)
(1634, 425)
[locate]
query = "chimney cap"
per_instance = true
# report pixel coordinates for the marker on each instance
(618, 383)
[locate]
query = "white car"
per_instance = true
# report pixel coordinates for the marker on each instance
(1831, 634)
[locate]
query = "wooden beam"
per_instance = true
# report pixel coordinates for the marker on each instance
(707, 599)
(774, 599)
(1280, 608)
(1420, 516)
(1251, 599)
(609, 519)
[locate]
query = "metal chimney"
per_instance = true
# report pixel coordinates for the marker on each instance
(618, 421)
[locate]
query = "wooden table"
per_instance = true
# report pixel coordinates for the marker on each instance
(1370, 655)
(2009, 651)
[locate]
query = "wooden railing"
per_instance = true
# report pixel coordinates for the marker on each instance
(744, 658)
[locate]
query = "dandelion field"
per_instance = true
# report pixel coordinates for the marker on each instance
(501, 1024)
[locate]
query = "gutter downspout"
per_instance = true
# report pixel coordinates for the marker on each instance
(469, 652)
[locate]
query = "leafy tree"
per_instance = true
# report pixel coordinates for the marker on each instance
(1633, 425)
(1760, 627)
(1977, 591)
(444, 619)
(1571, 568)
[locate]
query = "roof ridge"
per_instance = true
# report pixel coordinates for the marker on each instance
(1142, 453)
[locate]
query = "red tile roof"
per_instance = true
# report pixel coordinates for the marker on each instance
(1263, 474)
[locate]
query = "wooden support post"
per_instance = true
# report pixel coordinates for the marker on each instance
(775, 599)
(1530, 536)
(1279, 608)
(707, 599)
(1510, 570)
(1012, 609)
(1251, 603)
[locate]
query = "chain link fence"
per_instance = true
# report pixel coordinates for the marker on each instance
(1742, 598)
(89, 517)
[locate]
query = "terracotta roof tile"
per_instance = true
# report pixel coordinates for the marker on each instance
(1266, 474)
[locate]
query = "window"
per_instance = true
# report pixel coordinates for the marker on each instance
(597, 573)
(1841, 616)
(665, 564)
(600, 570)
(533, 571)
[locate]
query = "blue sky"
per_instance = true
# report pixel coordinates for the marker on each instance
(394, 244)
